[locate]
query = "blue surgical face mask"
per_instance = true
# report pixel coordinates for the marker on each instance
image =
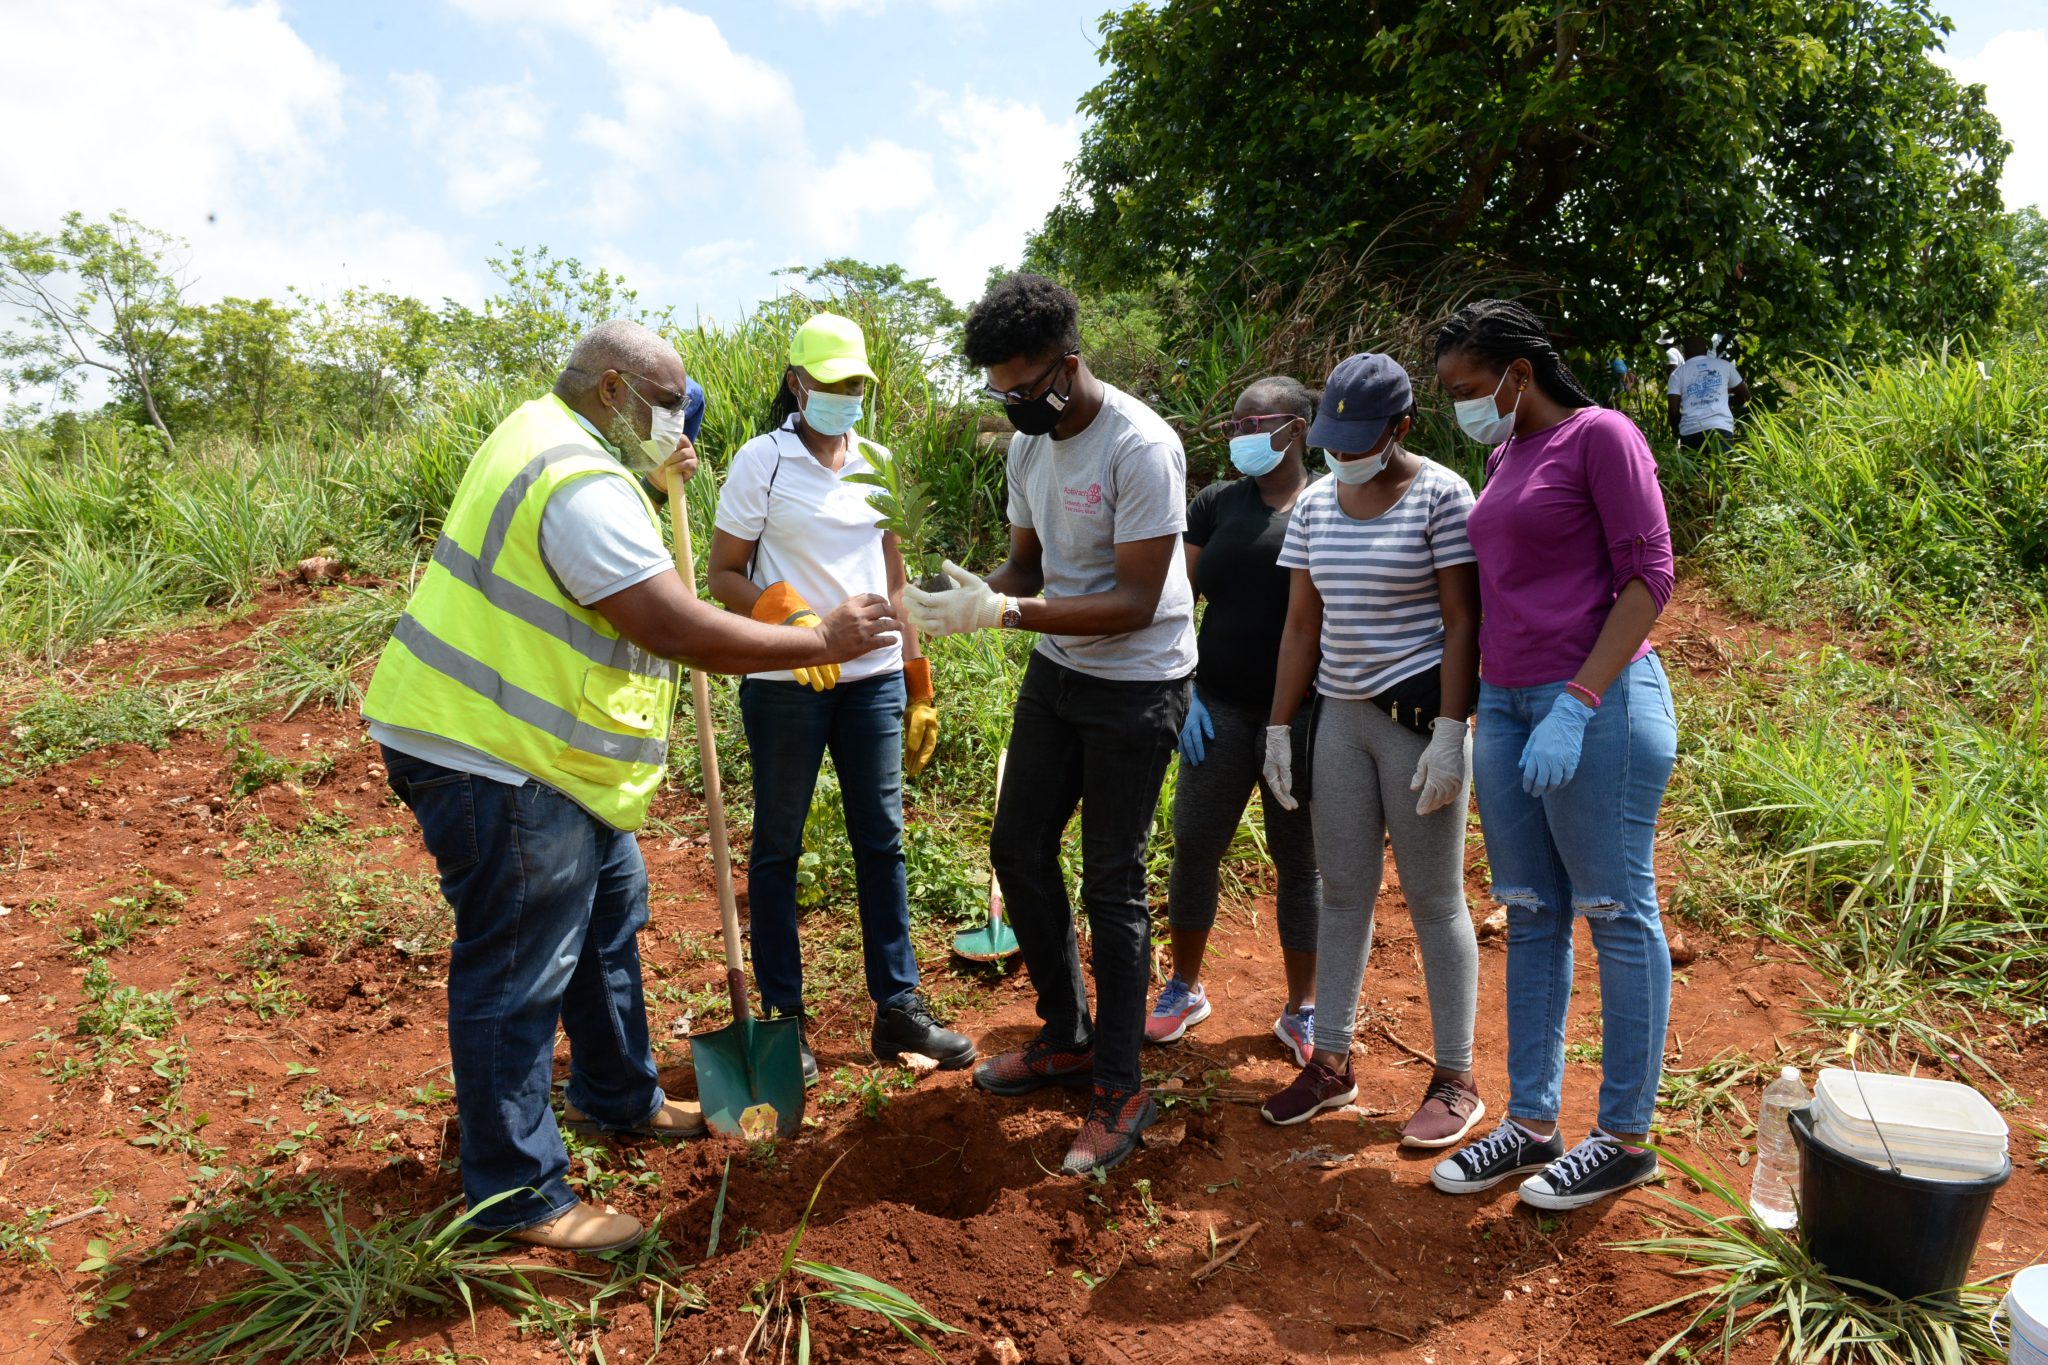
(1254, 455)
(832, 414)
(1364, 469)
(1485, 423)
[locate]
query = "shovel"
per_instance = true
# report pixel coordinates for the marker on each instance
(750, 1074)
(995, 940)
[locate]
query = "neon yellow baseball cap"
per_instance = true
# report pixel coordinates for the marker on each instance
(831, 348)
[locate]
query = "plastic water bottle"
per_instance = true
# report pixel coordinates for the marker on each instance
(1774, 1179)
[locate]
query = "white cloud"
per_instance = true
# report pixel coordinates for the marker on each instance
(210, 120)
(1008, 166)
(487, 140)
(878, 178)
(168, 110)
(2009, 68)
(375, 249)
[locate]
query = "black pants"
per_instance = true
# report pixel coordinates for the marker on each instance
(1079, 740)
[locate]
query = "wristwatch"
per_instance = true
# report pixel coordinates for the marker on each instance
(1013, 614)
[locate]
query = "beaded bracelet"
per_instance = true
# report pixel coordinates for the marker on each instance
(1584, 694)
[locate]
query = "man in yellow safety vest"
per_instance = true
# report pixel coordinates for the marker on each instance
(523, 705)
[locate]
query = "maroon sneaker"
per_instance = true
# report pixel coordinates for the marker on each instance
(1039, 1064)
(1111, 1131)
(1315, 1089)
(1447, 1114)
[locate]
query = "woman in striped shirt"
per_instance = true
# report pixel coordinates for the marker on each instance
(1383, 619)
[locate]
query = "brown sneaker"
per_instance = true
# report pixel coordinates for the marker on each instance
(675, 1120)
(586, 1229)
(1112, 1130)
(1448, 1111)
(1314, 1088)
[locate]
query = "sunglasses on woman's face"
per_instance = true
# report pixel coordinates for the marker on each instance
(1233, 427)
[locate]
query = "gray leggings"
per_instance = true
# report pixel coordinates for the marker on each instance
(1208, 800)
(1364, 762)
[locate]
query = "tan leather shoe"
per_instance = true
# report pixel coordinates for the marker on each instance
(675, 1120)
(585, 1228)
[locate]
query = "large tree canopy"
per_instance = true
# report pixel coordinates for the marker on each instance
(1797, 172)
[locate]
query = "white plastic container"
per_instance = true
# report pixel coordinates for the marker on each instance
(2026, 1317)
(1931, 1129)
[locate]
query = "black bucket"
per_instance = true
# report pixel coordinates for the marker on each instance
(1905, 1235)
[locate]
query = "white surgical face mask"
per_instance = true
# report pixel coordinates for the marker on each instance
(1485, 423)
(665, 428)
(831, 414)
(1364, 469)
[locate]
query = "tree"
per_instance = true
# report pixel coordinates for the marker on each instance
(243, 365)
(96, 296)
(528, 327)
(372, 355)
(1798, 173)
(2024, 236)
(914, 310)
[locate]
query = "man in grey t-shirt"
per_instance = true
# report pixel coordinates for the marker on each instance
(1098, 495)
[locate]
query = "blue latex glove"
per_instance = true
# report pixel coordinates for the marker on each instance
(1196, 729)
(1552, 754)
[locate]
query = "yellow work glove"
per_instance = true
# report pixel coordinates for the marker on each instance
(779, 605)
(920, 717)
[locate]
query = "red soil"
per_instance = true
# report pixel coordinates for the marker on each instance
(946, 1194)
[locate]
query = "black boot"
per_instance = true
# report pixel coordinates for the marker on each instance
(803, 1046)
(912, 1029)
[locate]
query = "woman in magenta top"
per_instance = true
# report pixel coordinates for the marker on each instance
(1572, 745)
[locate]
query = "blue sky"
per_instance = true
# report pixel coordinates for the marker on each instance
(323, 143)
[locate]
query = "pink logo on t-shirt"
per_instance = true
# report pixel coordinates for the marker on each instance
(1086, 501)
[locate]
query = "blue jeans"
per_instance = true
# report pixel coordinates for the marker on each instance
(548, 901)
(789, 728)
(1102, 745)
(1583, 850)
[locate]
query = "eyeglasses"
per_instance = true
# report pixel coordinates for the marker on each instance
(1233, 427)
(1031, 390)
(671, 405)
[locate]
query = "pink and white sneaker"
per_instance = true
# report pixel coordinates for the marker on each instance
(1297, 1033)
(1180, 1008)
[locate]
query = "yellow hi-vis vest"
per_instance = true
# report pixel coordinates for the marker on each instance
(492, 653)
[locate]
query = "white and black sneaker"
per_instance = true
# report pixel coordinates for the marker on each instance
(1588, 1173)
(1508, 1150)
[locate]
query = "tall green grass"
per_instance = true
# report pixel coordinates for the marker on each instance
(1886, 807)
(1921, 481)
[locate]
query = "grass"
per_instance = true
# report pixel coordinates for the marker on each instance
(785, 1311)
(347, 1284)
(1756, 1279)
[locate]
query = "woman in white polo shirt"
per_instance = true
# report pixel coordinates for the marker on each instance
(793, 530)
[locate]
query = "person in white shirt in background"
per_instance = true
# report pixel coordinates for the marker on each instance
(1704, 392)
(793, 529)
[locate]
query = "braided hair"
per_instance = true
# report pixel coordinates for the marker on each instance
(1502, 331)
(783, 404)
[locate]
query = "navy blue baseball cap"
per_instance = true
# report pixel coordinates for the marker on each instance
(1364, 393)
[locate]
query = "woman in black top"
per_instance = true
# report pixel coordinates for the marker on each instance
(1235, 528)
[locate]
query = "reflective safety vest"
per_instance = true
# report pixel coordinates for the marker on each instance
(492, 653)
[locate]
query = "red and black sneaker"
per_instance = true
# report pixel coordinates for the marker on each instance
(1040, 1064)
(1111, 1131)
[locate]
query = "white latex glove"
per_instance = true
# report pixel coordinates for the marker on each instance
(1445, 767)
(1278, 769)
(972, 605)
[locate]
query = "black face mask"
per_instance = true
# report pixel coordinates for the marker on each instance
(1038, 416)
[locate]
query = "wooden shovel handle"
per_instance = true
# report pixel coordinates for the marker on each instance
(707, 751)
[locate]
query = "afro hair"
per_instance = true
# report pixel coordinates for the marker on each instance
(1022, 315)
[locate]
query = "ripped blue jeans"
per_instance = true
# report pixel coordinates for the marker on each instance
(1582, 851)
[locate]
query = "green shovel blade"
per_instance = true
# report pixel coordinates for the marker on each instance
(986, 942)
(746, 1064)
